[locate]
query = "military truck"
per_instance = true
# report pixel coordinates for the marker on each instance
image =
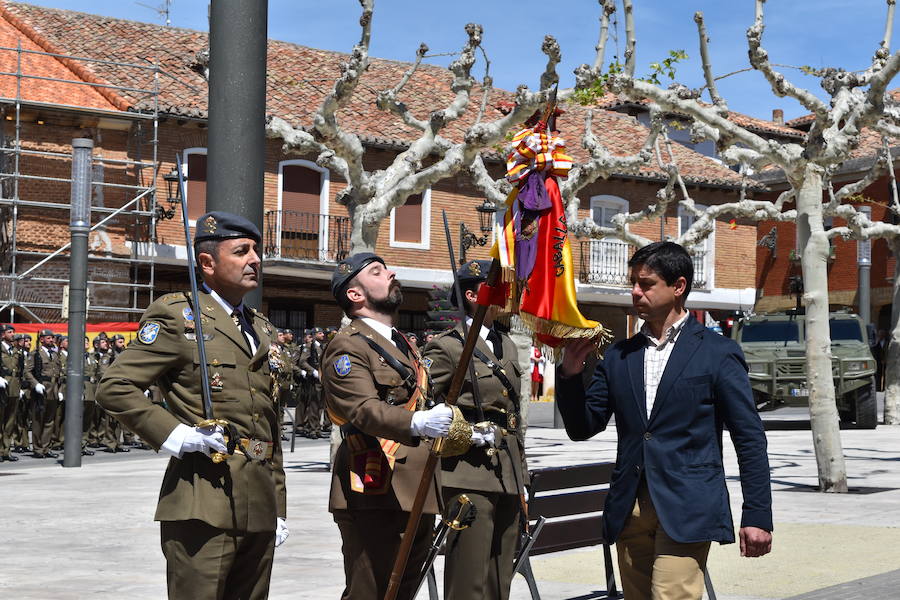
(775, 348)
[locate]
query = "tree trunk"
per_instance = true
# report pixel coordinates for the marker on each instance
(823, 415)
(362, 237)
(892, 360)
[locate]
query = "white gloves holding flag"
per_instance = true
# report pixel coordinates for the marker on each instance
(433, 423)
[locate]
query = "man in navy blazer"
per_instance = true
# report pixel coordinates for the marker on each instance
(672, 388)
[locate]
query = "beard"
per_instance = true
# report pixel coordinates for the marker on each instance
(390, 303)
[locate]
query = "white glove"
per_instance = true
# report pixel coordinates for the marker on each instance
(3, 383)
(432, 423)
(484, 436)
(21, 394)
(281, 531)
(39, 388)
(61, 396)
(315, 373)
(203, 440)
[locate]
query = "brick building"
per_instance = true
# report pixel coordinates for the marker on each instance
(138, 91)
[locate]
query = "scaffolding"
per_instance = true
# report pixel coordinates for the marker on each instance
(33, 275)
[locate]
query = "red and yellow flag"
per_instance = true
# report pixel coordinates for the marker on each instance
(533, 246)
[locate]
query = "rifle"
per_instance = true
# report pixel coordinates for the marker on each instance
(428, 472)
(209, 419)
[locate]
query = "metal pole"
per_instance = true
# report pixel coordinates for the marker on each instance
(79, 226)
(237, 112)
(864, 262)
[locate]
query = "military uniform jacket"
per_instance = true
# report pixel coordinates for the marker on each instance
(237, 494)
(361, 388)
(311, 359)
(44, 367)
(12, 368)
(475, 470)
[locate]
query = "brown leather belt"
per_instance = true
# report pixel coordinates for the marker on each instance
(257, 449)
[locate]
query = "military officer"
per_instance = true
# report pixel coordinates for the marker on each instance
(10, 386)
(42, 372)
(23, 414)
(59, 430)
(219, 521)
(303, 384)
(110, 431)
(311, 361)
(282, 367)
(487, 464)
(374, 382)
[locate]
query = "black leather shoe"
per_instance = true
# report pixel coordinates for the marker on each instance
(52, 455)
(86, 452)
(12, 458)
(110, 450)
(39, 455)
(123, 449)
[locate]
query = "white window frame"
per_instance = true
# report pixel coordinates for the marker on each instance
(710, 245)
(425, 244)
(324, 187)
(184, 167)
(608, 201)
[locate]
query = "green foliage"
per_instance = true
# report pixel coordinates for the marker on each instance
(658, 70)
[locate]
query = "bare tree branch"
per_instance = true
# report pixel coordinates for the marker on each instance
(550, 47)
(630, 39)
(889, 24)
(387, 99)
(707, 65)
(495, 190)
(608, 7)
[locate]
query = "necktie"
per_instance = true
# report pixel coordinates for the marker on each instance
(494, 338)
(400, 342)
(240, 319)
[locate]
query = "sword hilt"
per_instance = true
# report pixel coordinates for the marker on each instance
(230, 440)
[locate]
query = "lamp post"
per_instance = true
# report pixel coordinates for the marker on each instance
(864, 264)
(467, 239)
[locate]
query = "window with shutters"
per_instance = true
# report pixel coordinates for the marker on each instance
(303, 209)
(410, 223)
(195, 182)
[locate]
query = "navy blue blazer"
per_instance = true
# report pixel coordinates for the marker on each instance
(679, 448)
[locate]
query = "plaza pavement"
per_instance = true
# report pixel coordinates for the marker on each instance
(88, 532)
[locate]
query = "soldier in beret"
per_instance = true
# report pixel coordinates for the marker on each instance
(219, 521)
(376, 389)
(23, 414)
(487, 462)
(42, 371)
(311, 362)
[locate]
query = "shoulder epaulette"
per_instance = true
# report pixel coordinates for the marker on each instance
(175, 297)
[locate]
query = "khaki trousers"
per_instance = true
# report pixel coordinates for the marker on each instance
(8, 410)
(207, 563)
(652, 565)
(479, 559)
(370, 540)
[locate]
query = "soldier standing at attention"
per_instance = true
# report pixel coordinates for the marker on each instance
(375, 382)
(59, 429)
(42, 372)
(10, 377)
(311, 361)
(219, 522)
(23, 414)
(90, 387)
(486, 460)
(110, 431)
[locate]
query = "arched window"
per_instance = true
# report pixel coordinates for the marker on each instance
(605, 207)
(606, 259)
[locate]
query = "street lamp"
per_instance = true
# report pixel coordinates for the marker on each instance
(171, 179)
(467, 239)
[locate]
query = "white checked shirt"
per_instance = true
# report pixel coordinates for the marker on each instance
(656, 356)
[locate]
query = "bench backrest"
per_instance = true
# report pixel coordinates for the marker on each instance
(551, 497)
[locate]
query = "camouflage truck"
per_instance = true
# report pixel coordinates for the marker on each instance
(775, 349)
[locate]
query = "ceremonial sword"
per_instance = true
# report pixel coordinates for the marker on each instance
(209, 419)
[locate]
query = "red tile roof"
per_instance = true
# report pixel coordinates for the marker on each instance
(612, 102)
(298, 78)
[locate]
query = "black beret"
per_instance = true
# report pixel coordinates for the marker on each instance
(474, 271)
(317, 330)
(348, 268)
(101, 335)
(118, 336)
(288, 330)
(7, 328)
(19, 336)
(44, 332)
(219, 225)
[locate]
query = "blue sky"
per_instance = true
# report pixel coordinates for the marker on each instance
(799, 32)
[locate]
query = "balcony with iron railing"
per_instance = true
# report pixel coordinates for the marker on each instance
(605, 262)
(293, 235)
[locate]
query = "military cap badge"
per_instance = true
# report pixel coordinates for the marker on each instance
(475, 269)
(209, 224)
(342, 365)
(343, 268)
(149, 332)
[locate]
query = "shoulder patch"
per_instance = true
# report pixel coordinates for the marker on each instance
(187, 313)
(342, 365)
(427, 362)
(149, 332)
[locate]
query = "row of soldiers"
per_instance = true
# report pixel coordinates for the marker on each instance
(32, 393)
(296, 371)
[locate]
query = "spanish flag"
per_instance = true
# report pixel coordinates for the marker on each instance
(533, 246)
